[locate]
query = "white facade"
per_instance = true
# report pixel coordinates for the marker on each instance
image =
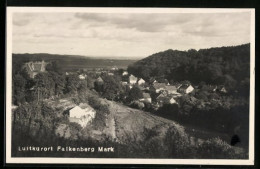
(141, 81)
(125, 73)
(172, 101)
(82, 116)
(189, 89)
(82, 77)
(132, 79)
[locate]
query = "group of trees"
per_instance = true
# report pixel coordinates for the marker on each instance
(112, 89)
(227, 66)
(211, 111)
(49, 84)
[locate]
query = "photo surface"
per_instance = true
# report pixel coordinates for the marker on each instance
(130, 85)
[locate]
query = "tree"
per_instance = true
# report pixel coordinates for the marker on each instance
(135, 93)
(90, 82)
(111, 87)
(54, 66)
(72, 83)
(44, 85)
(18, 89)
(60, 82)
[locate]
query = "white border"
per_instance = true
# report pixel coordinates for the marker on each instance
(9, 159)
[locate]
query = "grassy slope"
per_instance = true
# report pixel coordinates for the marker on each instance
(137, 128)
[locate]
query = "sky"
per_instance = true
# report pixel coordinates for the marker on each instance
(126, 34)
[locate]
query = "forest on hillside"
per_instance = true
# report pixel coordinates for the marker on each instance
(229, 66)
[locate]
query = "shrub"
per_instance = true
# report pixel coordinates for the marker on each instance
(217, 148)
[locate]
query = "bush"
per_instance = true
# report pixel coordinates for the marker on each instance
(217, 148)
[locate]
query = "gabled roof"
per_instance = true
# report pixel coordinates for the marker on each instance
(165, 99)
(159, 85)
(161, 95)
(184, 86)
(170, 88)
(132, 77)
(99, 79)
(141, 80)
(76, 109)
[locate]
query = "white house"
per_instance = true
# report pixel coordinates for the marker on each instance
(171, 89)
(125, 73)
(186, 89)
(172, 101)
(82, 116)
(222, 89)
(99, 80)
(124, 83)
(82, 76)
(157, 87)
(114, 68)
(132, 79)
(141, 81)
(162, 99)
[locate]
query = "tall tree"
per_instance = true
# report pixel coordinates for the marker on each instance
(111, 87)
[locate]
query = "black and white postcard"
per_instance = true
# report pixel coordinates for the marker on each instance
(130, 85)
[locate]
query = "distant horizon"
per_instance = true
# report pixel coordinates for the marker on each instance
(125, 57)
(132, 34)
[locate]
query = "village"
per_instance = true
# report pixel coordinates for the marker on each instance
(150, 95)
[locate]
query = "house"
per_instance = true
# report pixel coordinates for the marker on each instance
(222, 89)
(82, 76)
(171, 89)
(155, 81)
(162, 99)
(33, 68)
(185, 89)
(146, 98)
(132, 79)
(157, 87)
(141, 81)
(110, 74)
(99, 80)
(114, 68)
(124, 83)
(125, 73)
(82, 115)
(175, 95)
(98, 72)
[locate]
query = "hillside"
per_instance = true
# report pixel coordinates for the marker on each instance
(133, 133)
(71, 62)
(223, 65)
